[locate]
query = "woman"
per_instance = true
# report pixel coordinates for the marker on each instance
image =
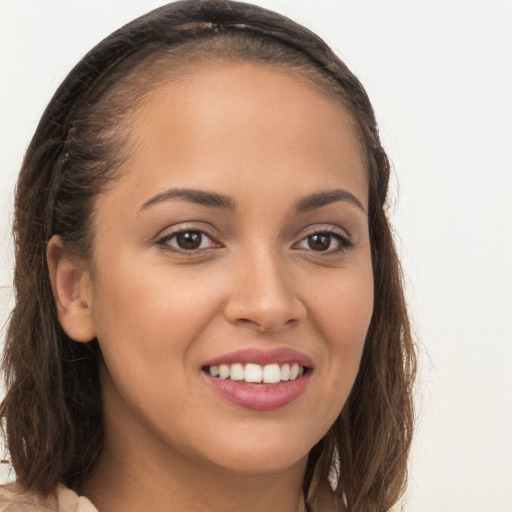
(209, 313)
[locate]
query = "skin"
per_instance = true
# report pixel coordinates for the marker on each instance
(266, 138)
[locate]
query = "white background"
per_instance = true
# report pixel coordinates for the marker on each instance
(439, 74)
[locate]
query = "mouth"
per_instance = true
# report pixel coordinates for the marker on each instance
(262, 380)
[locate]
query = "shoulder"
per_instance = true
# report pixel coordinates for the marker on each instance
(15, 497)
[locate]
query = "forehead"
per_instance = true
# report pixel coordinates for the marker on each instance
(227, 120)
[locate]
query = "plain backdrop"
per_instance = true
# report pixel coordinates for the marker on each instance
(439, 74)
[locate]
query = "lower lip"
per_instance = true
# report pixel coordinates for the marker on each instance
(259, 397)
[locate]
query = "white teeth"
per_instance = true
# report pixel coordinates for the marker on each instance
(271, 373)
(254, 373)
(294, 371)
(223, 371)
(236, 372)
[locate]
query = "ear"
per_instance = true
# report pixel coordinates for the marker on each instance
(71, 288)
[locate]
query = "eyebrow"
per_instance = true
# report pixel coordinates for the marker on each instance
(214, 200)
(326, 197)
(201, 197)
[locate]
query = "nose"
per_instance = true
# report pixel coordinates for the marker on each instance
(263, 296)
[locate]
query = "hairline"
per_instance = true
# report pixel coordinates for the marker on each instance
(176, 63)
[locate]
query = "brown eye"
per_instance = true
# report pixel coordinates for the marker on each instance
(189, 240)
(319, 242)
(324, 241)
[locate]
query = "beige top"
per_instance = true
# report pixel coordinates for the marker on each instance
(15, 498)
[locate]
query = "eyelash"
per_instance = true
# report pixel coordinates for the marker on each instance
(344, 242)
(165, 241)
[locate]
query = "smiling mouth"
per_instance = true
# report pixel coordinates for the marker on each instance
(252, 373)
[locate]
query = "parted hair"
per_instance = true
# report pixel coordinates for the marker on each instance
(52, 411)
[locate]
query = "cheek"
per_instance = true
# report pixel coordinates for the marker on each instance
(342, 315)
(147, 326)
(344, 306)
(146, 294)
(148, 318)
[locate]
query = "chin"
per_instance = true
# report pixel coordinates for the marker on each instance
(260, 456)
(263, 464)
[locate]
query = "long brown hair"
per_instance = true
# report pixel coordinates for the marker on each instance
(52, 413)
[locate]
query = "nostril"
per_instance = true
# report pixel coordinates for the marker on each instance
(266, 326)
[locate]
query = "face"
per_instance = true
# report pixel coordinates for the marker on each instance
(231, 283)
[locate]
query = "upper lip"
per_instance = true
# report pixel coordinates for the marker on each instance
(262, 357)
